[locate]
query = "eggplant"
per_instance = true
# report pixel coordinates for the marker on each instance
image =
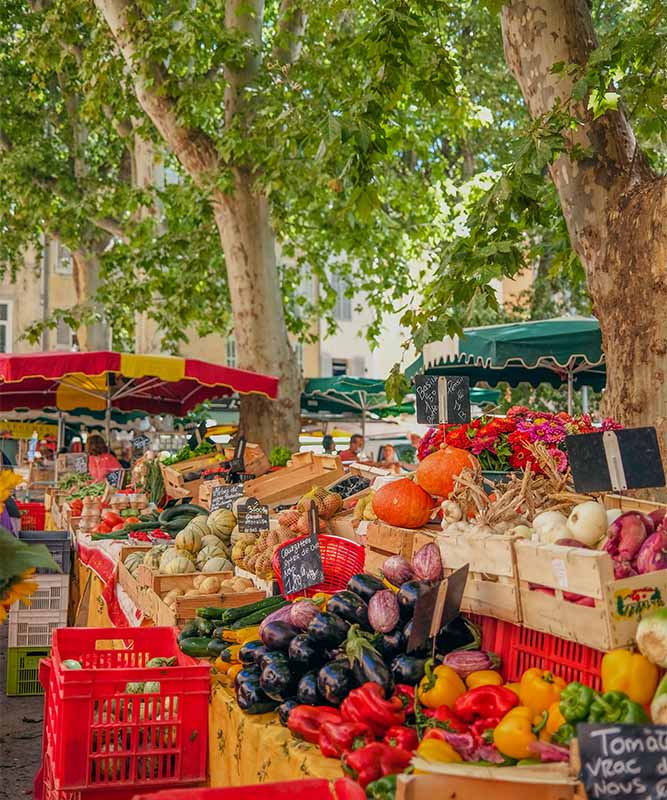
(407, 597)
(304, 653)
(407, 669)
(327, 630)
(278, 681)
(335, 681)
(247, 674)
(391, 644)
(365, 585)
(459, 634)
(370, 667)
(252, 699)
(259, 652)
(278, 635)
(350, 607)
(248, 650)
(271, 658)
(284, 710)
(307, 692)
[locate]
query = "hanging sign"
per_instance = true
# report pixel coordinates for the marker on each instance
(442, 399)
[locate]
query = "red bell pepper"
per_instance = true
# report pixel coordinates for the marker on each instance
(406, 694)
(306, 721)
(375, 761)
(336, 739)
(482, 729)
(346, 789)
(443, 717)
(403, 737)
(111, 517)
(367, 704)
(485, 702)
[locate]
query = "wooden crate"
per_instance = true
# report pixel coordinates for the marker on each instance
(254, 459)
(304, 471)
(492, 587)
(624, 503)
(130, 584)
(618, 604)
(384, 540)
(175, 484)
(186, 607)
(161, 584)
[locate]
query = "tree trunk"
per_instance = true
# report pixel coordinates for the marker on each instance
(95, 335)
(243, 219)
(613, 205)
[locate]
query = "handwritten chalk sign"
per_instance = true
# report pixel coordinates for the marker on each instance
(442, 400)
(615, 460)
(224, 495)
(139, 444)
(623, 761)
(301, 560)
(80, 463)
(253, 517)
(116, 478)
(437, 607)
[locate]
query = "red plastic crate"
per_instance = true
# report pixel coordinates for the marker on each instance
(33, 516)
(98, 736)
(308, 789)
(341, 559)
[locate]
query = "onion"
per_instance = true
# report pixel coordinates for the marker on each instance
(301, 613)
(587, 522)
(427, 563)
(397, 570)
(383, 611)
(572, 543)
(550, 526)
(653, 553)
(626, 535)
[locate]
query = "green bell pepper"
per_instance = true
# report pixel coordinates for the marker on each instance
(575, 702)
(382, 789)
(616, 707)
(564, 734)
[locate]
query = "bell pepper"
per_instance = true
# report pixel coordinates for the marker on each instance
(484, 702)
(555, 720)
(383, 789)
(575, 702)
(438, 751)
(374, 761)
(446, 719)
(440, 686)
(514, 734)
(484, 677)
(347, 789)
(616, 707)
(403, 737)
(367, 704)
(513, 687)
(631, 673)
(406, 694)
(335, 739)
(306, 721)
(564, 734)
(538, 689)
(482, 729)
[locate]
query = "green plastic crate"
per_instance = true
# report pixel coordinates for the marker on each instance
(23, 670)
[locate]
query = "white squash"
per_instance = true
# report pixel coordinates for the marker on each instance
(179, 565)
(166, 557)
(221, 523)
(189, 540)
(198, 524)
(210, 541)
(218, 564)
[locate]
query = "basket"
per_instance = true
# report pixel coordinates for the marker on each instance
(99, 736)
(33, 516)
(58, 544)
(341, 559)
(307, 789)
(23, 670)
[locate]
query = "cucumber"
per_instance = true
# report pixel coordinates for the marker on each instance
(190, 629)
(204, 626)
(195, 646)
(186, 509)
(215, 648)
(254, 618)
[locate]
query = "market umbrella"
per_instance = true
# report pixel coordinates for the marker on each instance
(555, 351)
(103, 381)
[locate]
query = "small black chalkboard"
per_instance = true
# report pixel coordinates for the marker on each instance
(224, 495)
(442, 400)
(253, 517)
(623, 761)
(437, 608)
(80, 463)
(301, 560)
(115, 478)
(139, 444)
(615, 460)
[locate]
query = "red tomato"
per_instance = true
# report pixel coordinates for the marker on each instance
(111, 518)
(119, 527)
(103, 528)
(132, 519)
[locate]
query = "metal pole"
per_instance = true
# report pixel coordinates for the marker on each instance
(584, 399)
(59, 436)
(107, 418)
(570, 389)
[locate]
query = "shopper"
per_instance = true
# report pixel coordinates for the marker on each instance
(100, 461)
(328, 445)
(355, 450)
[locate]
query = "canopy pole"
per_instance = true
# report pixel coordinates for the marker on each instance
(584, 399)
(570, 389)
(59, 435)
(107, 418)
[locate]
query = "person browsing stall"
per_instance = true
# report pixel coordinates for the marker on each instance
(100, 461)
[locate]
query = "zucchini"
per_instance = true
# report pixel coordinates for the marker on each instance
(216, 648)
(231, 653)
(195, 646)
(189, 629)
(175, 525)
(218, 633)
(255, 618)
(208, 612)
(185, 509)
(267, 605)
(204, 626)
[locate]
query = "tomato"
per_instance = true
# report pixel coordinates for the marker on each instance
(103, 528)
(132, 519)
(111, 518)
(119, 527)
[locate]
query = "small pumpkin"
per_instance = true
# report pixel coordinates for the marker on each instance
(221, 523)
(437, 472)
(166, 557)
(218, 564)
(210, 541)
(199, 524)
(402, 503)
(179, 565)
(209, 552)
(188, 539)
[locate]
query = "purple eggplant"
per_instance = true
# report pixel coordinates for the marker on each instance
(277, 635)
(383, 613)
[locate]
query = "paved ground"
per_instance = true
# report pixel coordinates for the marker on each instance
(20, 735)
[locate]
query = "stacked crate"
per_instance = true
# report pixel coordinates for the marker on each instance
(30, 627)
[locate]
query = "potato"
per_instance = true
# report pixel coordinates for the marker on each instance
(172, 594)
(238, 585)
(192, 592)
(198, 580)
(210, 585)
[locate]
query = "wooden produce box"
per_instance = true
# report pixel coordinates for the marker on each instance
(175, 484)
(186, 607)
(254, 459)
(492, 587)
(134, 590)
(384, 540)
(304, 471)
(161, 584)
(618, 604)
(624, 503)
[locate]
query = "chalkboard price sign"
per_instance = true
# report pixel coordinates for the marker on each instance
(139, 444)
(437, 607)
(301, 560)
(80, 463)
(442, 400)
(623, 761)
(224, 495)
(253, 517)
(115, 478)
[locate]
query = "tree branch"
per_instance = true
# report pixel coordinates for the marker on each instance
(292, 21)
(112, 227)
(195, 150)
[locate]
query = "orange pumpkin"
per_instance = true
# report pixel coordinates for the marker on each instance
(403, 504)
(436, 473)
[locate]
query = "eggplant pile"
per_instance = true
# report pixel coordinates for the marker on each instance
(307, 655)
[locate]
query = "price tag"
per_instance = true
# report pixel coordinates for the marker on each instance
(301, 560)
(442, 400)
(139, 444)
(80, 463)
(224, 495)
(253, 517)
(115, 478)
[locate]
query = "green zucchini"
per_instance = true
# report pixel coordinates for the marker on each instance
(176, 524)
(189, 509)
(204, 626)
(195, 646)
(253, 619)
(267, 606)
(215, 647)
(189, 630)
(208, 612)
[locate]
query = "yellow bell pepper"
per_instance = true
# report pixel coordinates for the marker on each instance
(437, 750)
(514, 734)
(554, 720)
(539, 689)
(440, 686)
(632, 673)
(514, 687)
(484, 677)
